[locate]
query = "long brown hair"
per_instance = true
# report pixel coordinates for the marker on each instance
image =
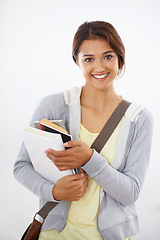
(98, 30)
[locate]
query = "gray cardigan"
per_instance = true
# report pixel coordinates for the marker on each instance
(120, 183)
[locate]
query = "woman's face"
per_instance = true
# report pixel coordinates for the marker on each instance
(98, 63)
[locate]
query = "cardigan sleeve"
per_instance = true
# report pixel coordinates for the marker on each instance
(125, 186)
(23, 168)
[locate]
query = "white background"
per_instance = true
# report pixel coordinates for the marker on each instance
(35, 60)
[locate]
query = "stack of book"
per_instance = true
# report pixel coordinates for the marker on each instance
(45, 135)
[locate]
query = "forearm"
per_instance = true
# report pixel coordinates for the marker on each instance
(119, 186)
(125, 186)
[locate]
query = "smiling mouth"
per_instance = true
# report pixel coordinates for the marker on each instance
(100, 76)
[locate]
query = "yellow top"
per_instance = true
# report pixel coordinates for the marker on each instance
(82, 216)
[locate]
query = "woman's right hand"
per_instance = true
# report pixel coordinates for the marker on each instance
(71, 187)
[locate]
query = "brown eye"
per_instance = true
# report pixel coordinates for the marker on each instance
(89, 60)
(108, 57)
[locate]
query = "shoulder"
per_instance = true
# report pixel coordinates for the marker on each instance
(52, 103)
(51, 99)
(50, 107)
(137, 112)
(69, 97)
(145, 115)
(145, 121)
(140, 117)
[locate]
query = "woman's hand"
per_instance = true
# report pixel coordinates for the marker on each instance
(71, 187)
(77, 154)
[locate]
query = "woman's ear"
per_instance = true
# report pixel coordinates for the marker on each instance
(77, 61)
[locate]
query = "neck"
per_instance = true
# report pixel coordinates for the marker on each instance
(99, 99)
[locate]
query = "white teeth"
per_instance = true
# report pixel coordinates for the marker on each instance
(100, 76)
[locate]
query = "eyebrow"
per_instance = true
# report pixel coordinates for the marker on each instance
(91, 55)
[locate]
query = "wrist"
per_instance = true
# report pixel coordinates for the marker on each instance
(90, 154)
(54, 193)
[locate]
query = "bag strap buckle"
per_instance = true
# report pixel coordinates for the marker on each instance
(39, 218)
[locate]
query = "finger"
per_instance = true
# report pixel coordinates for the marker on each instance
(85, 186)
(55, 153)
(61, 162)
(85, 179)
(86, 182)
(73, 143)
(75, 177)
(63, 167)
(81, 170)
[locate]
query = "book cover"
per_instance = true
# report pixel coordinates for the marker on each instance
(56, 127)
(36, 142)
(49, 126)
(59, 123)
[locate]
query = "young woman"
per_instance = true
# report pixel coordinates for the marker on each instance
(97, 203)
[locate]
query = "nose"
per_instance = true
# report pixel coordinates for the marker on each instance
(99, 67)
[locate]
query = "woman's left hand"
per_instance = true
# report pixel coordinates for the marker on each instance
(76, 155)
